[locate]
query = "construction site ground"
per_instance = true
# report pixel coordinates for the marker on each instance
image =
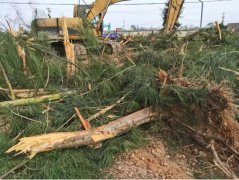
(162, 108)
(157, 161)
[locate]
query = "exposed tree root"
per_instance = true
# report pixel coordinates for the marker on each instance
(214, 121)
(226, 170)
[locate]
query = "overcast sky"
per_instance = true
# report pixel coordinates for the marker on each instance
(143, 15)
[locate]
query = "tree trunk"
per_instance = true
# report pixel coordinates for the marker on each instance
(52, 141)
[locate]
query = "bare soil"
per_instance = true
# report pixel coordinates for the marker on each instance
(151, 161)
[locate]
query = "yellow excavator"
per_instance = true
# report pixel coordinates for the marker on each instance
(93, 14)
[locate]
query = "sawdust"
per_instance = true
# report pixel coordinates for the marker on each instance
(151, 161)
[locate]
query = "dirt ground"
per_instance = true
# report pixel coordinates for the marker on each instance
(150, 162)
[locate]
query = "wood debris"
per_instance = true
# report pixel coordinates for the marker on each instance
(86, 124)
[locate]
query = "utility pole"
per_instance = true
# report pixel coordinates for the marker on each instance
(123, 24)
(202, 7)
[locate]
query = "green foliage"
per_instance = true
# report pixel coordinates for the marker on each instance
(90, 41)
(185, 96)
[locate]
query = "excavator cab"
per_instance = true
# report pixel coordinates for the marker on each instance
(81, 11)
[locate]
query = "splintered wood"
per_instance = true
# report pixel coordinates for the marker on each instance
(86, 124)
(22, 54)
(20, 50)
(70, 52)
(48, 142)
(218, 30)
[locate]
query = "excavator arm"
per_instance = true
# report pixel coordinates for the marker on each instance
(53, 25)
(100, 7)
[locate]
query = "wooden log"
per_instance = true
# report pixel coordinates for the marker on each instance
(37, 100)
(48, 142)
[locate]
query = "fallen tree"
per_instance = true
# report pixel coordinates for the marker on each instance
(214, 123)
(48, 142)
(206, 113)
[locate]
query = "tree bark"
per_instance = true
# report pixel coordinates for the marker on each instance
(48, 142)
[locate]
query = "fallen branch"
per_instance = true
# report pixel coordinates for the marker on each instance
(48, 142)
(103, 111)
(7, 81)
(68, 121)
(86, 124)
(229, 70)
(25, 93)
(98, 114)
(37, 100)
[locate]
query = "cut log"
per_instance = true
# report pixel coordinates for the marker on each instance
(48, 142)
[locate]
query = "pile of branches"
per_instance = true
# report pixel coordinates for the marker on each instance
(214, 123)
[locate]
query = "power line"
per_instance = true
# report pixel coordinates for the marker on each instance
(128, 4)
(186, 2)
(35, 3)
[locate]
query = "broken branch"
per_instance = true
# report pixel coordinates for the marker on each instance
(7, 81)
(84, 122)
(103, 111)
